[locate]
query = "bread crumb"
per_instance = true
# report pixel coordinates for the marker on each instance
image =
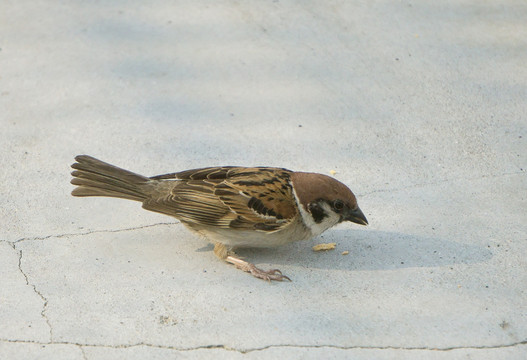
(345, 252)
(320, 247)
(332, 172)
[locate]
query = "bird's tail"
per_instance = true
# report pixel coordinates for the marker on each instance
(96, 178)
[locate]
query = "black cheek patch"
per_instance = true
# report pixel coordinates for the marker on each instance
(317, 212)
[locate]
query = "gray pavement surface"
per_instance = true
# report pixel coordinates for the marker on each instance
(419, 106)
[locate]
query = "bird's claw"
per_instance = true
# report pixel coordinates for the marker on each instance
(269, 275)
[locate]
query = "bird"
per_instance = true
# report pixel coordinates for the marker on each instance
(231, 206)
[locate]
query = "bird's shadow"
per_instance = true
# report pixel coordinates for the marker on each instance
(370, 250)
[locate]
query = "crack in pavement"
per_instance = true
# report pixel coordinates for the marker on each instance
(13, 244)
(263, 348)
(44, 299)
(83, 352)
(89, 232)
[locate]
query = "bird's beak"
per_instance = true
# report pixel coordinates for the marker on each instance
(356, 216)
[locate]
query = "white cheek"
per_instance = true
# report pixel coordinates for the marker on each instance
(329, 221)
(316, 229)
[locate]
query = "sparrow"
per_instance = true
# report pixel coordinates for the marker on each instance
(232, 207)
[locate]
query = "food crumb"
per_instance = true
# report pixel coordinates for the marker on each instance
(332, 172)
(320, 247)
(346, 252)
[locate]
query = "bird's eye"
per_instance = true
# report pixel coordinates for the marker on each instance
(338, 205)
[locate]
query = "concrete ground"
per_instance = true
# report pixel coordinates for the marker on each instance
(419, 106)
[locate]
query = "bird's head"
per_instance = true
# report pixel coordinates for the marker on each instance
(325, 201)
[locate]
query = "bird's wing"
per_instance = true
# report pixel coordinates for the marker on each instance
(227, 197)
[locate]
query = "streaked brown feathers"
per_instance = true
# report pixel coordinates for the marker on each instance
(236, 198)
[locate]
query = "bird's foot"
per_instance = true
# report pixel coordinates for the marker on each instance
(268, 275)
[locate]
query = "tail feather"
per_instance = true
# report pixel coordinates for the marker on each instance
(94, 177)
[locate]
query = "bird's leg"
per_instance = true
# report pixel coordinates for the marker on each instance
(268, 275)
(221, 251)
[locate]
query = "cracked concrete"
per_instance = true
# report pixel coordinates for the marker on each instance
(419, 107)
(245, 351)
(88, 232)
(44, 300)
(141, 351)
(21, 306)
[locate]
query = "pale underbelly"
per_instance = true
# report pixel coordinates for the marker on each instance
(256, 239)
